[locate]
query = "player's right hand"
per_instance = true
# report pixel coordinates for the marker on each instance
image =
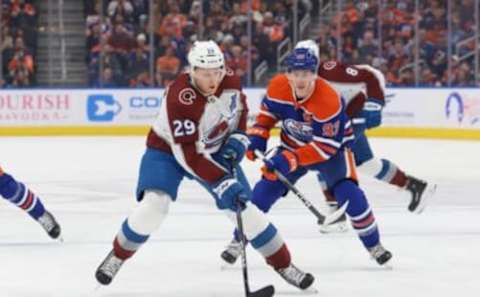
(228, 191)
(258, 141)
(372, 112)
(284, 162)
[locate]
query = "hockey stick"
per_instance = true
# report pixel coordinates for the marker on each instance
(322, 218)
(267, 291)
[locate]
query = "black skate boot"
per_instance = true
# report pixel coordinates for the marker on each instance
(48, 222)
(296, 277)
(232, 252)
(108, 269)
(380, 254)
(338, 226)
(420, 191)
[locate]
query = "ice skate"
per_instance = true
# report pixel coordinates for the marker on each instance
(296, 277)
(380, 254)
(232, 252)
(421, 191)
(50, 225)
(108, 269)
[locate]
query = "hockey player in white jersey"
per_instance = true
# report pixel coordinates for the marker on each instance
(363, 89)
(199, 134)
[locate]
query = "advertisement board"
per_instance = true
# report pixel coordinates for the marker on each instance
(429, 112)
(78, 107)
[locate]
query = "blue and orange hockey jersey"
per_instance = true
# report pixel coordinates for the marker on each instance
(315, 128)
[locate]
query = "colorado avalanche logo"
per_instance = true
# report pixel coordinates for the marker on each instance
(187, 96)
(215, 135)
(329, 65)
(299, 130)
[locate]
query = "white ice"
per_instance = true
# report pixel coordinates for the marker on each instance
(89, 183)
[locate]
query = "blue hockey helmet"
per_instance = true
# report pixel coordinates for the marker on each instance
(302, 59)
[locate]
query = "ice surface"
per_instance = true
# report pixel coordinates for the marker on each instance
(89, 183)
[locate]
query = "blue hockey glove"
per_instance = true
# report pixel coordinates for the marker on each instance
(372, 112)
(229, 191)
(233, 150)
(258, 141)
(285, 162)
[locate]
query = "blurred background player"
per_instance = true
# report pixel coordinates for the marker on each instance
(363, 89)
(18, 194)
(199, 134)
(315, 133)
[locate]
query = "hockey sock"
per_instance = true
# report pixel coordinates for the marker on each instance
(264, 237)
(359, 212)
(18, 194)
(384, 170)
(145, 219)
(281, 258)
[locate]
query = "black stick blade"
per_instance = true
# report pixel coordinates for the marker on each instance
(267, 291)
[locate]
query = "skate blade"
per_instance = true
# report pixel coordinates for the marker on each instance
(385, 266)
(342, 228)
(226, 266)
(388, 265)
(427, 195)
(94, 292)
(310, 291)
(307, 292)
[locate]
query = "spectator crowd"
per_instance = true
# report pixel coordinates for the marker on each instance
(143, 43)
(18, 43)
(121, 28)
(384, 36)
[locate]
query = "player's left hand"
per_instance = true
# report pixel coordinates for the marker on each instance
(230, 192)
(233, 150)
(284, 163)
(372, 112)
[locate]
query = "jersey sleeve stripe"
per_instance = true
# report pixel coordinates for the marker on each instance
(325, 148)
(328, 141)
(268, 114)
(348, 138)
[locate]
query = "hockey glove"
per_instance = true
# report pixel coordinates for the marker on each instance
(233, 150)
(228, 191)
(258, 141)
(372, 112)
(284, 163)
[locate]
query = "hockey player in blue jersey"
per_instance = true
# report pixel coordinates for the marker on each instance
(315, 135)
(18, 194)
(363, 89)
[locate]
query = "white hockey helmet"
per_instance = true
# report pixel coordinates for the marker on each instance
(311, 45)
(206, 54)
